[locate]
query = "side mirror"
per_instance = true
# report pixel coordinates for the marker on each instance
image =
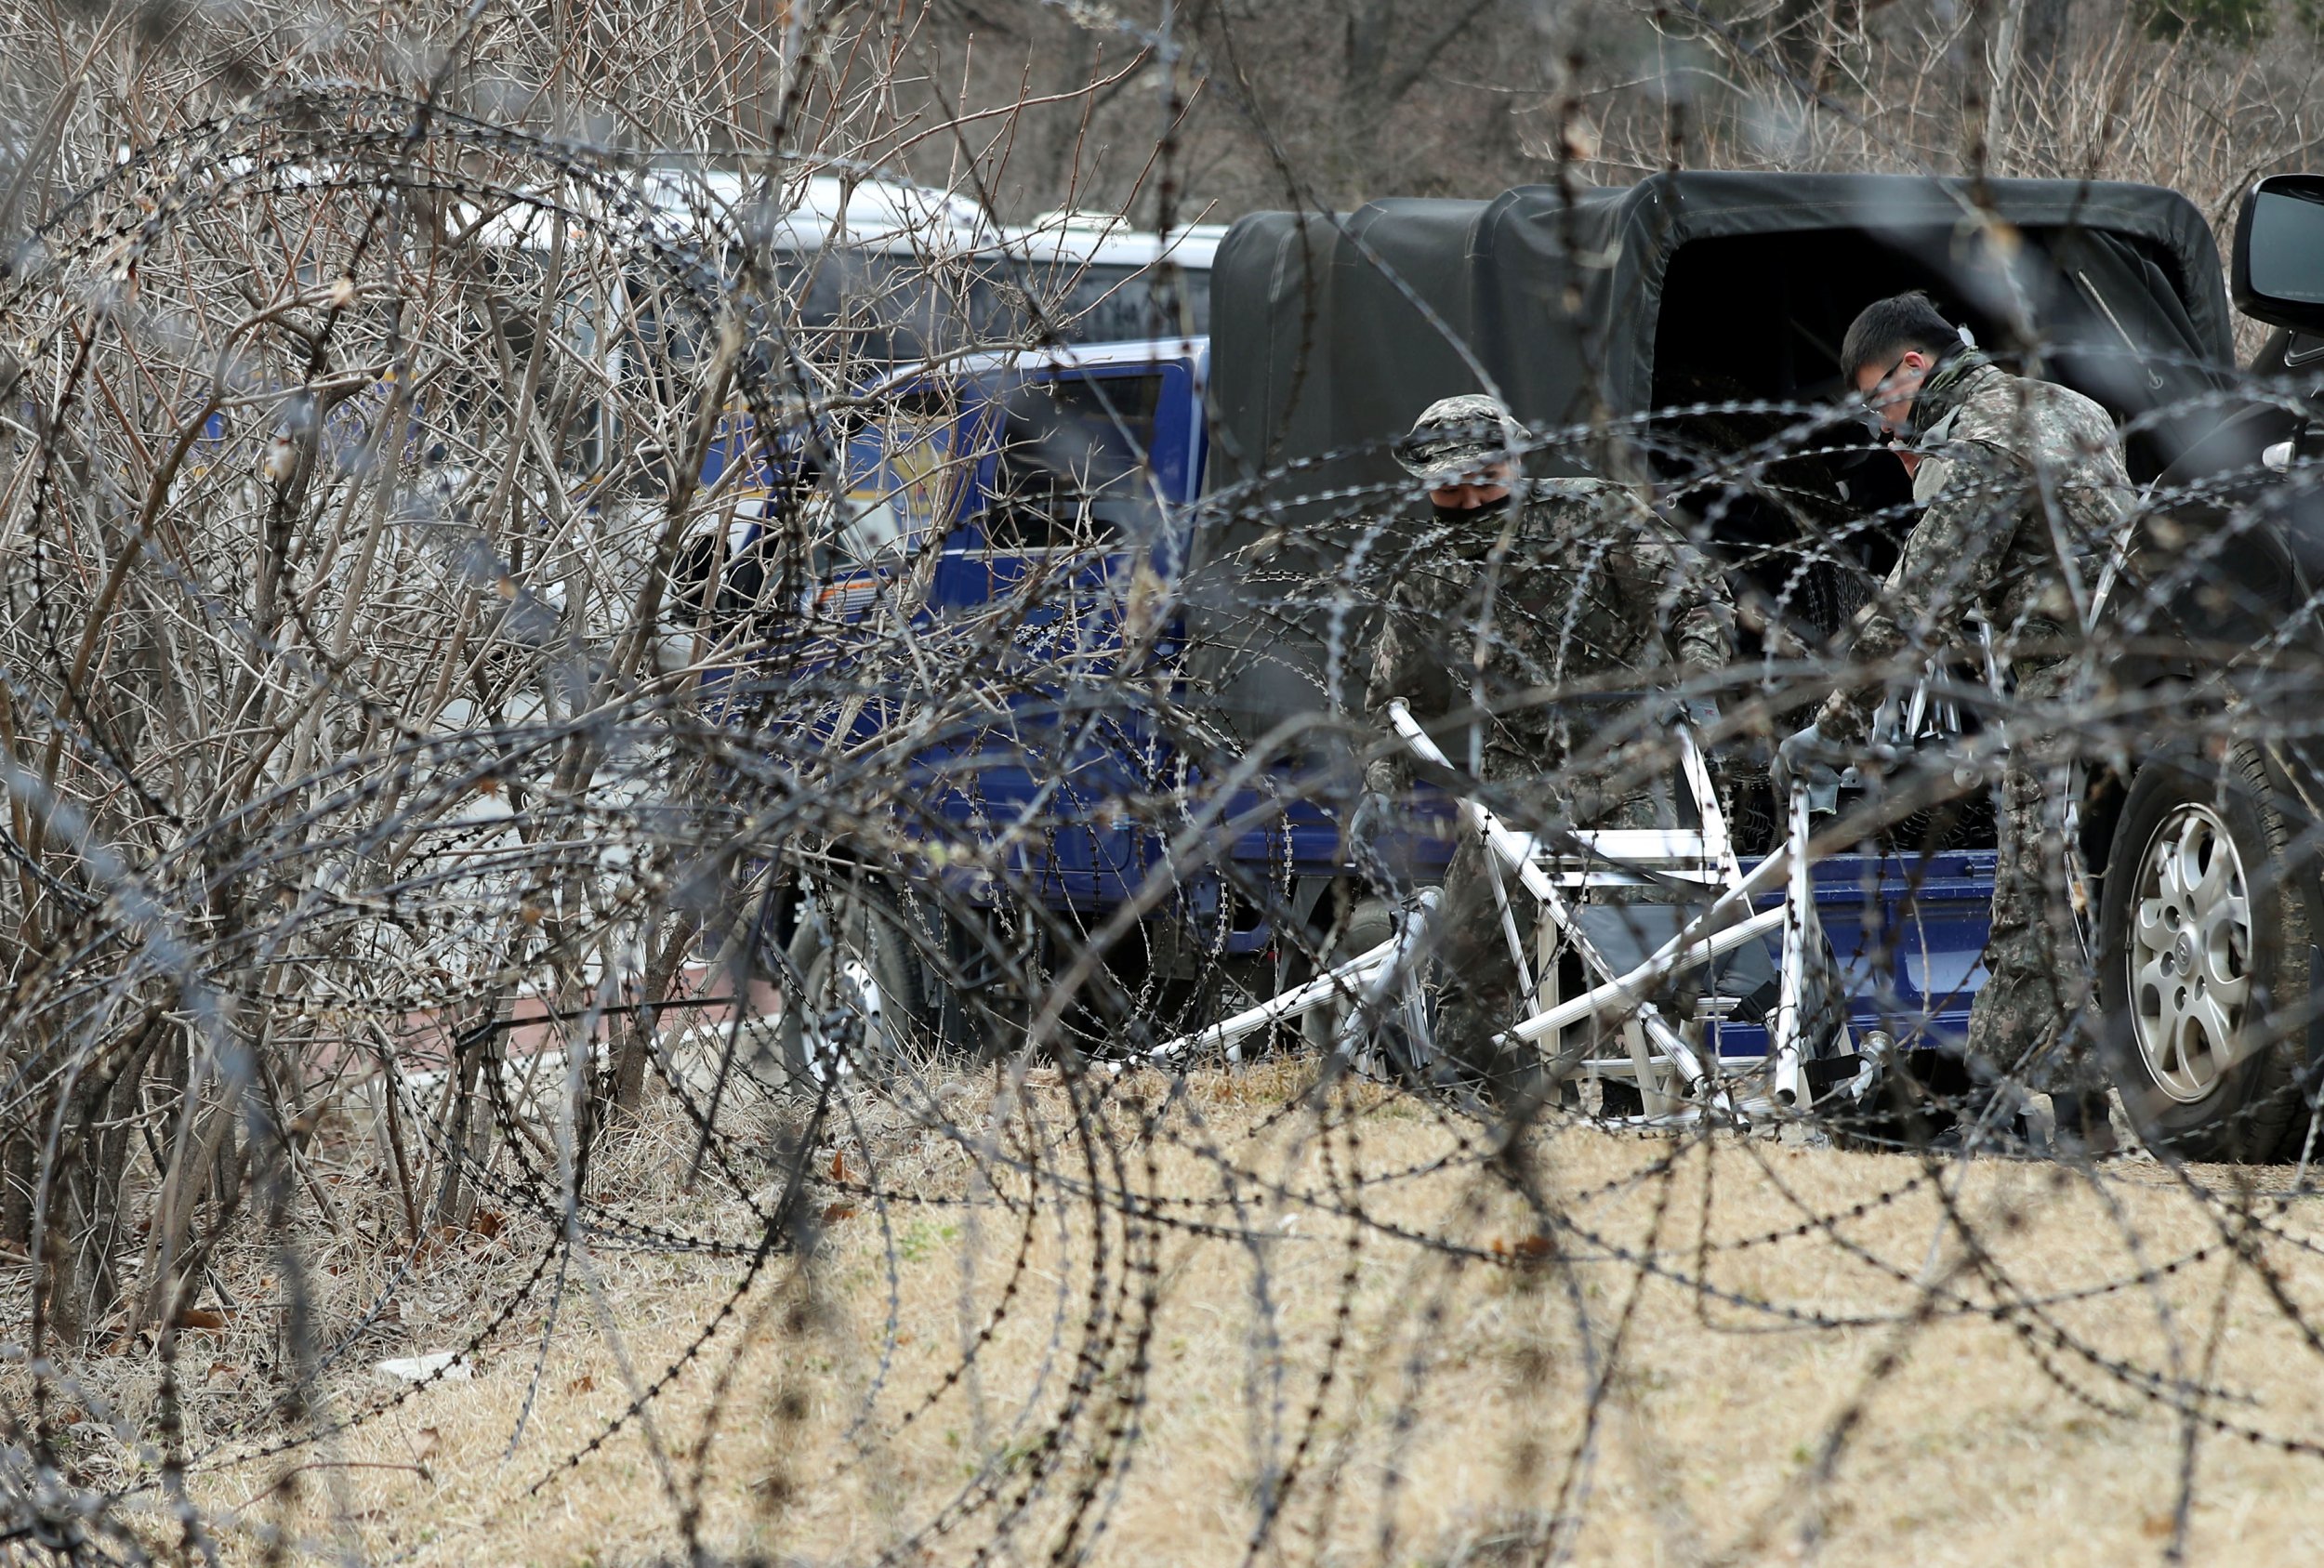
(2277, 273)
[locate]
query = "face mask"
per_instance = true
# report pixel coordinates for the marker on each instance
(1470, 514)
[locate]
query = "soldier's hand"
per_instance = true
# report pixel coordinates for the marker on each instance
(1807, 747)
(1811, 759)
(1698, 714)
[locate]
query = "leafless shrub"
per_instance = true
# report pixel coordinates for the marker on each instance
(496, 803)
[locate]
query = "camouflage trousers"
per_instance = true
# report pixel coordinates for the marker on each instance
(1478, 992)
(2037, 960)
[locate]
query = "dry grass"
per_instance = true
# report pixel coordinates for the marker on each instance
(1457, 1394)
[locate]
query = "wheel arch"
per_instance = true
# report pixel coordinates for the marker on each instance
(2180, 658)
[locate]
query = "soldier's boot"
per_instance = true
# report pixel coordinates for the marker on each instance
(1510, 1076)
(2085, 1123)
(1993, 1119)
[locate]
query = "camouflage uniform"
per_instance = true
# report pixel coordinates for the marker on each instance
(2023, 482)
(1574, 586)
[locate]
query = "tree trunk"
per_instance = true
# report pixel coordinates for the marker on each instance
(637, 1029)
(2041, 42)
(83, 1222)
(455, 1195)
(1056, 174)
(17, 1158)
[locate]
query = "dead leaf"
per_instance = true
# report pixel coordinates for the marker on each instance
(487, 1222)
(836, 1212)
(425, 1445)
(585, 1384)
(839, 1165)
(202, 1318)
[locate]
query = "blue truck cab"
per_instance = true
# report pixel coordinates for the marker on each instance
(1090, 457)
(1055, 487)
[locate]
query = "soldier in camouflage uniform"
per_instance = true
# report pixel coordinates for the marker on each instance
(1516, 589)
(2025, 494)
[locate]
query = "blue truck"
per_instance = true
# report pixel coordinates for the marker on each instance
(1614, 322)
(1086, 469)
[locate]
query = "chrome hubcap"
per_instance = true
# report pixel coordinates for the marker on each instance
(2190, 954)
(848, 1012)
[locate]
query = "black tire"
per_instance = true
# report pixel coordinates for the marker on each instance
(1918, 1097)
(859, 989)
(1619, 1099)
(992, 972)
(2206, 1069)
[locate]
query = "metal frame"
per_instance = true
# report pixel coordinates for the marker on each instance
(1368, 978)
(1677, 1072)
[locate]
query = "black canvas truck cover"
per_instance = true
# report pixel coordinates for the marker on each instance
(1330, 333)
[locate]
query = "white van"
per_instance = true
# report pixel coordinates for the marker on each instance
(876, 273)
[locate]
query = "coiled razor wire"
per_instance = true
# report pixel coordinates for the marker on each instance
(481, 820)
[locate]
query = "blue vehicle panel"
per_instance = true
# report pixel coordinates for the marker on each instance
(1909, 934)
(978, 462)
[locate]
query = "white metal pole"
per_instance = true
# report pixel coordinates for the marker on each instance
(1629, 989)
(1349, 979)
(1517, 853)
(1798, 907)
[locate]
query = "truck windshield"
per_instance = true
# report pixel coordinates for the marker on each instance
(1092, 303)
(1072, 469)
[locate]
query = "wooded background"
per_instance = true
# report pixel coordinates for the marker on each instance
(1216, 107)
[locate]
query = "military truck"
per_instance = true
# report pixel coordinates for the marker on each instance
(1685, 332)
(1682, 331)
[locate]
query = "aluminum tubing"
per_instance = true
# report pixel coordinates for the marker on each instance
(1350, 976)
(1516, 851)
(1633, 988)
(1673, 1045)
(1800, 912)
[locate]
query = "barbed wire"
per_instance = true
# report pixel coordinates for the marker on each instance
(586, 732)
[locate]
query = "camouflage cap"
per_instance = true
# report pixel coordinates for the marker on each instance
(1463, 435)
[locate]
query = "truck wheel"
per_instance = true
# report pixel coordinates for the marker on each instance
(2203, 947)
(860, 995)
